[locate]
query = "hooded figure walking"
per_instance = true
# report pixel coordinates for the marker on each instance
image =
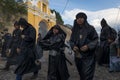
(54, 42)
(118, 44)
(107, 36)
(6, 39)
(14, 43)
(83, 41)
(27, 51)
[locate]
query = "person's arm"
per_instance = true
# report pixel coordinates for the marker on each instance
(118, 52)
(118, 49)
(94, 41)
(104, 34)
(72, 43)
(31, 36)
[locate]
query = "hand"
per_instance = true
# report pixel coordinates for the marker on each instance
(37, 62)
(84, 48)
(8, 52)
(110, 41)
(23, 36)
(75, 48)
(118, 52)
(18, 50)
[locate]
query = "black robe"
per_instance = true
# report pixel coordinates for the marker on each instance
(104, 44)
(39, 48)
(6, 44)
(119, 39)
(0, 45)
(57, 69)
(15, 42)
(84, 35)
(28, 52)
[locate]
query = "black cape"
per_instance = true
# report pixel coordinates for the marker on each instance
(84, 34)
(57, 69)
(28, 52)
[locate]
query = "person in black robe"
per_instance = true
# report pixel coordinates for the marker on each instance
(6, 38)
(118, 54)
(14, 43)
(106, 38)
(83, 41)
(0, 42)
(39, 48)
(54, 42)
(27, 51)
(114, 55)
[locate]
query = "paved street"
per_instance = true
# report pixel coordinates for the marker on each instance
(100, 74)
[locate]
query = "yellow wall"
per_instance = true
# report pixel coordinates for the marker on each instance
(36, 19)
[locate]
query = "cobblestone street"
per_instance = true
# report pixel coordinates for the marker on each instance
(101, 73)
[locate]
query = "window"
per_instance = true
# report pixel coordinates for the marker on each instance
(44, 8)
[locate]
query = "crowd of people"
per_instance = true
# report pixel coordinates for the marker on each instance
(23, 50)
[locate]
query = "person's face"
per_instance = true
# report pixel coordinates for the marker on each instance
(21, 27)
(5, 32)
(80, 21)
(39, 35)
(55, 31)
(16, 27)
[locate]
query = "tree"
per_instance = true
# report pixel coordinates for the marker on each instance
(10, 8)
(58, 17)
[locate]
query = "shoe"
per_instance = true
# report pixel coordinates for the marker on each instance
(34, 76)
(110, 71)
(5, 69)
(100, 64)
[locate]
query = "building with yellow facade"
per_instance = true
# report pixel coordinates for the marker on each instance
(40, 15)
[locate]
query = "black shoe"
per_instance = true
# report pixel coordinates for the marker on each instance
(34, 76)
(110, 71)
(100, 64)
(6, 69)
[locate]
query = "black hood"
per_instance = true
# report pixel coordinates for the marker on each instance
(104, 23)
(50, 32)
(22, 22)
(77, 27)
(81, 15)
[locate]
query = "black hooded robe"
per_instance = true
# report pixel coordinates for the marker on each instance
(6, 44)
(15, 42)
(39, 48)
(119, 39)
(85, 35)
(57, 68)
(104, 44)
(27, 55)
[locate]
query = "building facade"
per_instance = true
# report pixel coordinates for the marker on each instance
(40, 15)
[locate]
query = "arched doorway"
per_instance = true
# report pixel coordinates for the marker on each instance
(43, 28)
